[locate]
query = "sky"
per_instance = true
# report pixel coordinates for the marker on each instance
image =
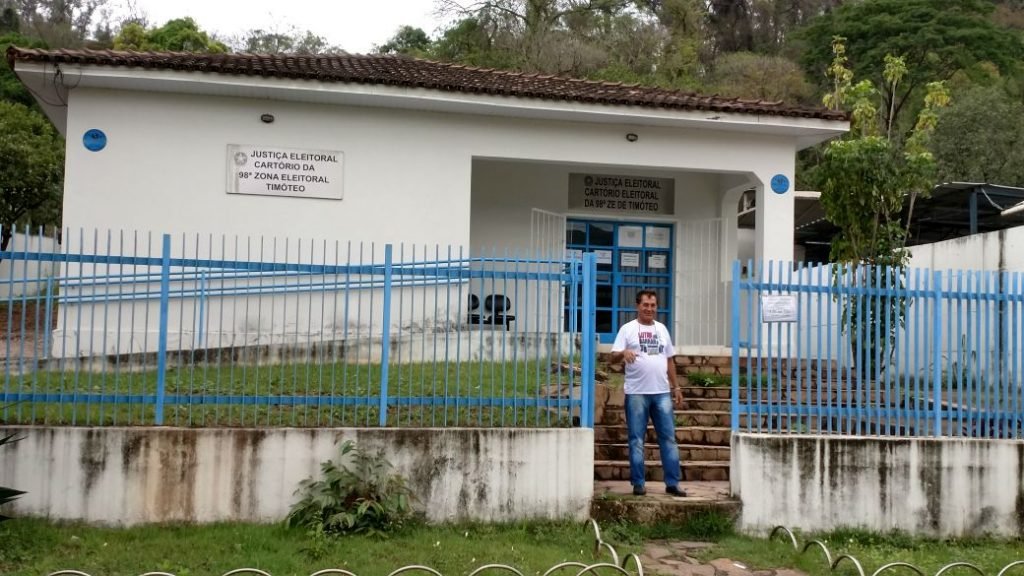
(354, 25)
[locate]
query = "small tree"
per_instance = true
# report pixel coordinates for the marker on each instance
(31, 169)
(865, 181)
(357, 494)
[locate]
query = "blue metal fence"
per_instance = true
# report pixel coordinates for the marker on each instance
(130, 328)
(877, 351)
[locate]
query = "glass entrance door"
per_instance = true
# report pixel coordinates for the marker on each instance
(630, 256)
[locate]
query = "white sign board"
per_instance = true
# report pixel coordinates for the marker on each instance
(630, 259)
(656, 261)
(779, 308)
(270, 171)
(603, 256)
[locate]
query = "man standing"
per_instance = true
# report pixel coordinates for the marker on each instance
(645, 346)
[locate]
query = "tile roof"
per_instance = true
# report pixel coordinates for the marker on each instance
(403, 71)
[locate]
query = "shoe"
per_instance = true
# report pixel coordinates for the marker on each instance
(675, 491)
(639, 491)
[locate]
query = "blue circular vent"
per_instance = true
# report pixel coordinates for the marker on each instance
(94, 140)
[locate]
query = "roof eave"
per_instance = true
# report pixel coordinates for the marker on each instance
(39, 77)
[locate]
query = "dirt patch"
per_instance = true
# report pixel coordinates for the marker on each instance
(23, 328)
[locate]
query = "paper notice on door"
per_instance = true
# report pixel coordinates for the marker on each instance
(630, 260)
(631, 236)
(657, 237)
(574, 254)
(657, 262)
(603, 256)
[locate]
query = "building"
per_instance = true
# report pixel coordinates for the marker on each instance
(389, 149)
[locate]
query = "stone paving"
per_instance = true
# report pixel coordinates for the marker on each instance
(675, 558)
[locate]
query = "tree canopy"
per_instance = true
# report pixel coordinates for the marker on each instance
(31, 168)
(407, 40)
(178, 35)
(935, 38)
(980, 138)
(291, 41)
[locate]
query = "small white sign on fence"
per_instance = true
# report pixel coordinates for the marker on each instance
(779, 308)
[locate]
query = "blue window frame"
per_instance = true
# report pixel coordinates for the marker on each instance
(631, 256)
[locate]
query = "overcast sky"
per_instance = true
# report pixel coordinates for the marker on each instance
(354, 25)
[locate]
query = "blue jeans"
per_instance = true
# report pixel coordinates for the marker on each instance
(659, 408)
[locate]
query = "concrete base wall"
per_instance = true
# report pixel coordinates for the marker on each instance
(933, 487)
(128, 476)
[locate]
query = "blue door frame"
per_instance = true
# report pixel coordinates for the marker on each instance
(630, 255)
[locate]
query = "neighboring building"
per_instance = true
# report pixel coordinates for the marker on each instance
(951, 210)
(392, 149)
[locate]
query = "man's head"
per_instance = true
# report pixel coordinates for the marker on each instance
(646, 306)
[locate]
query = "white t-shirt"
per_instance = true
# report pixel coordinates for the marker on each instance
(648, 374)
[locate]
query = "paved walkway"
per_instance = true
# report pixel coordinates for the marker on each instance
(676, 558)
(673, 558)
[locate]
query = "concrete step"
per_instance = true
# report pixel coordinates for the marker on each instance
(792, 393)
(613, 502)
(684, 418)
(713, 404)
(687, 452)
(692, 471)
(699, 435)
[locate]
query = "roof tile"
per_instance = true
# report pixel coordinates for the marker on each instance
(403, 71)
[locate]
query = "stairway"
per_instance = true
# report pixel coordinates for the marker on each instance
(702, 424)
(703, 421)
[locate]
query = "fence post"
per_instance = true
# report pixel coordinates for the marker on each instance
(937, 350)
(734, 312)
(385, 340)
(589, 336)
(161, 353)
(47, 330)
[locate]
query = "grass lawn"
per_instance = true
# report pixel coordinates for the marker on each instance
(297, 394)
(35, 547)
(873, 551)
(38, 547)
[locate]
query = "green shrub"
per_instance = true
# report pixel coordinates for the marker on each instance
(358, 494)
(8, 494)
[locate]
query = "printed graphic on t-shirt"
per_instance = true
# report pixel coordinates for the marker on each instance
(650, 344)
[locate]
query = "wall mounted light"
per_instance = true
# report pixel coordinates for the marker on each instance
(267, 118)
(632, 137)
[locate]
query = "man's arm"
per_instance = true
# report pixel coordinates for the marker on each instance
(673, 386)
(677, 393)
(627, 356)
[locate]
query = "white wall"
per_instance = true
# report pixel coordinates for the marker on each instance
(1002, 250)
(131, 476)
(970, 327)
(407, 174)
(17, 277)
(927, 487)
(165, 166)
(416, 177)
